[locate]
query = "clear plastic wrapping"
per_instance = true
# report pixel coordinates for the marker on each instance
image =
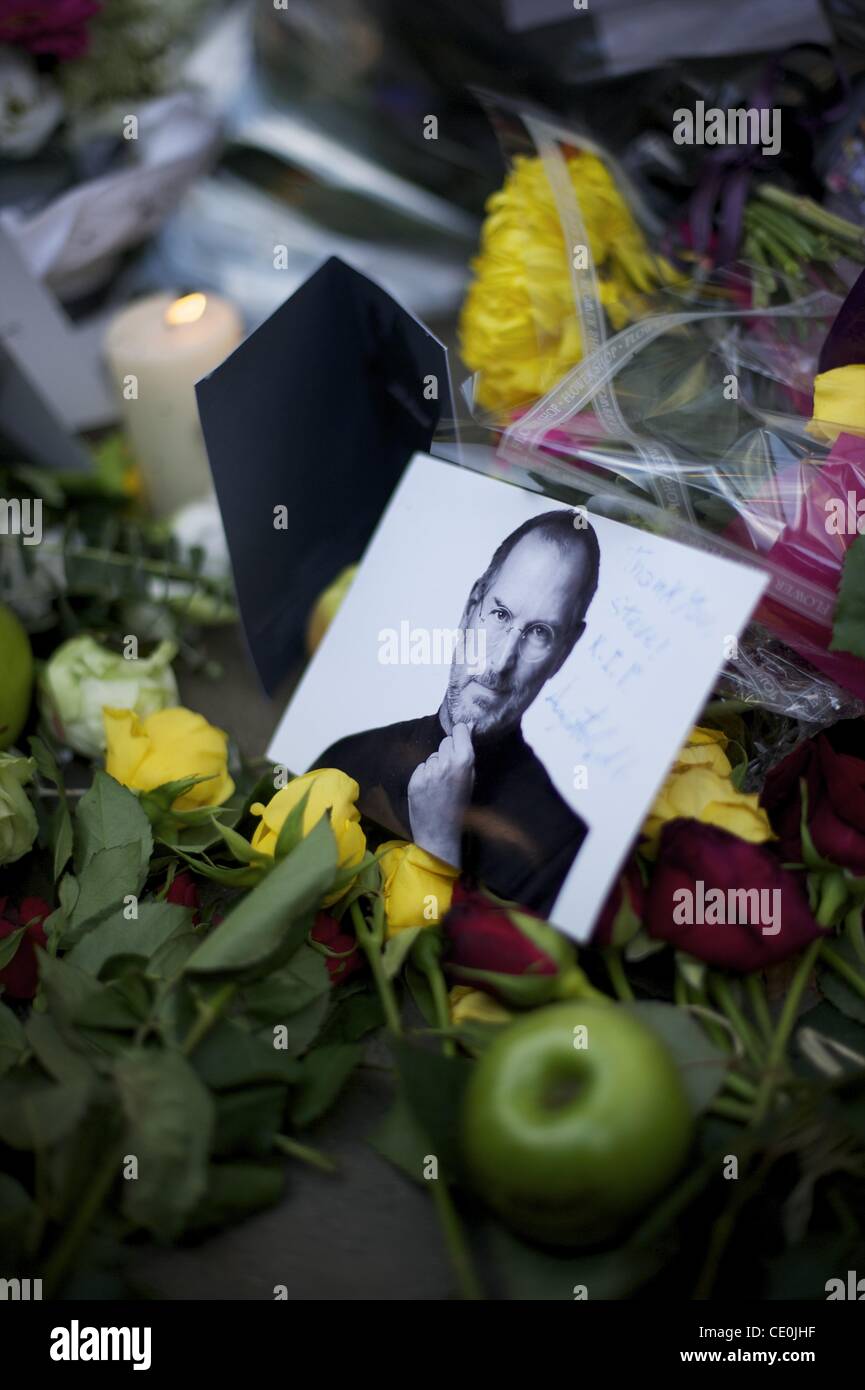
(670, 397)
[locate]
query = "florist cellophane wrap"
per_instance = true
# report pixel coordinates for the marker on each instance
(691, 421)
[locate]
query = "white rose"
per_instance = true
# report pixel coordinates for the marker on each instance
(30, 106)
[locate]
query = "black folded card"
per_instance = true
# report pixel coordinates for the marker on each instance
(309, 425)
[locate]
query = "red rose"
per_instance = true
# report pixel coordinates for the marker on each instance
(480, 935)
(343, 957)
(59, 28)
(833, 768)
(21, 976)
(622, 913)
(507, 951)
(725, 901)
(183, 892)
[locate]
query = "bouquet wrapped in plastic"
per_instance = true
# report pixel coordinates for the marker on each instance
(725, 408)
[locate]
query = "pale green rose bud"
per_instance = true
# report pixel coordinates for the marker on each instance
(82, 677)
(18, 824)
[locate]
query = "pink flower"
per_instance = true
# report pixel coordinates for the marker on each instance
(58, 27)
(791, 525)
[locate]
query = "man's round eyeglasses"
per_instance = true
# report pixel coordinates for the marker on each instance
(536, 639)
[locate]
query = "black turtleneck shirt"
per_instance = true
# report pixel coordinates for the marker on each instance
(519, 838)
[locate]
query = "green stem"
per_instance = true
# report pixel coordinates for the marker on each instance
(731, 1109)
(85, 1213)
(686, 996)
(208, 1014)
(842, 968)
(616, 972)
(783, 1030)
(724, 996)
(467, 1280)
(314, 1158)
(371, 949)
(791, 238)
(833, 895)
(811, 213)
(704, 1011)
(855, 932)
(759, 1005)
(744, 1088)
(441, 1003)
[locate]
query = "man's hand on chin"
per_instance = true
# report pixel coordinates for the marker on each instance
(439, 792)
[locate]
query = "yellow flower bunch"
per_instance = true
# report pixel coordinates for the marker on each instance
(699, 786)
(519, 328)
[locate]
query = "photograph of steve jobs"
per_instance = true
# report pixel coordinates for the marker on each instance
(462, 782)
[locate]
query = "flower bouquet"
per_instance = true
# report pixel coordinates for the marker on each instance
(722, 411)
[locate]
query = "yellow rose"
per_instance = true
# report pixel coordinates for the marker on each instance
(164, 747)
(474, 1006)
(839, 403)
(330, 793)
(417, 887)
(699, 787)
(704, 748)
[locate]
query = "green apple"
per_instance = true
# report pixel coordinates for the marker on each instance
(573, 1121)
(16, 676)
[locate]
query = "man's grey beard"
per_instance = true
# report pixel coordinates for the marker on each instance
(480, 728)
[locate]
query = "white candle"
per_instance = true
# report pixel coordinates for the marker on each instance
(157, 349)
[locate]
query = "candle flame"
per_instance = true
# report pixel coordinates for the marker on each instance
(187, 309)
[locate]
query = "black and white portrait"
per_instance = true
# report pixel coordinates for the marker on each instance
(461, 780)
(509, 679)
